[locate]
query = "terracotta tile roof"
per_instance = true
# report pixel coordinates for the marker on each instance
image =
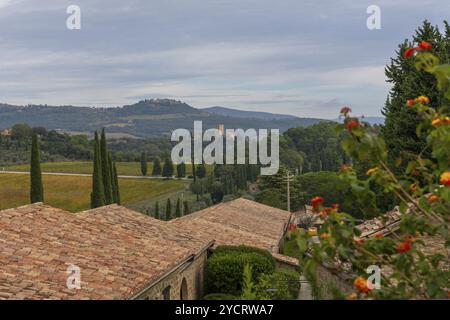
(238, 222)
(118, 251)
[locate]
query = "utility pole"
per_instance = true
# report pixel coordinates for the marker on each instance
(288, 180)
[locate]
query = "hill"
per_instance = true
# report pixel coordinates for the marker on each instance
(229, 112)
(146, 118)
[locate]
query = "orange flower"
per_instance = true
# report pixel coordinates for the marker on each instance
(372, 170)
(379, 235)
(446, 120)
(360, 283)
(425, 45)
(352, 124)
(325, 236)
(351, 296)
(359, 240)
(409, 239)
(316, 201)
(422, 100)
(404, 246)
(445, 179)
(410, 102)
(345, 110)
(433, 198)
(345, 168)
(409, 52)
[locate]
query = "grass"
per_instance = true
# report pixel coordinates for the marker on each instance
(123, 168)
(73, 193)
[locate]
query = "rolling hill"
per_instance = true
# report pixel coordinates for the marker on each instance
(146, 118)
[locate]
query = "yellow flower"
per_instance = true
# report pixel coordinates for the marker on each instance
(445, 178)
(372, 170)
(436, 122)
(423, 99)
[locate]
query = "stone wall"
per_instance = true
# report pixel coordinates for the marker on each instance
(328, 281)
(190, 276)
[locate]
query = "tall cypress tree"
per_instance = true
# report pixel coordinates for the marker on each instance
(157, 216)
(143, 164)
(156, 167)
(36, 187)
(167, 168)
(97, 195)
(181, 170)
(168, 210)
(113, 180)
(106, 172)
(399, 129)
(186, 208)
(116, 183)
(178, 208)
(201, 171)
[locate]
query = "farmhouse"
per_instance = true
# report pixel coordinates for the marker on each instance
(122, 254)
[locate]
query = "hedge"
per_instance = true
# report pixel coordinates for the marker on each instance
(224, 270)
(243, 249)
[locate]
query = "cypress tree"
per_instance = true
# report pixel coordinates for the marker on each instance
(143, 164)
(399, 129)
(157, 210)
(181, 170)
(36, 187)
(186, 208)
(97, 195)
(156, 167)
(106, 172)
(167, 168)
(111, 174)
(194, 172)
(178, 208)
(168, 210)
(201, 171)
(116, 184)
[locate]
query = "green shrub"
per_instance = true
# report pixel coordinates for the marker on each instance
(224, 270)
(243, 249)
(220, 296)
(283, 284)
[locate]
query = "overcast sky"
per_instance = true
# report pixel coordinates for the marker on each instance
(300, 57)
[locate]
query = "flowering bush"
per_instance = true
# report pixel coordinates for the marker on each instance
(409, 271)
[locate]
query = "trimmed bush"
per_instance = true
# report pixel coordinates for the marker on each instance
(220, 296)
(224, 270)
(243, 249)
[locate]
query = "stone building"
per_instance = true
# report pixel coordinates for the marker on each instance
(115, 253)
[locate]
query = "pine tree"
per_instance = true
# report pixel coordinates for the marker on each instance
(168, 210)
(36, 187)
(106, 173)
(186, 208)
(399, 129)
(97, 195)
(181, 170)
(178, 208)
(156, 167)
(167, 168)
(143, 164)
(157, 216)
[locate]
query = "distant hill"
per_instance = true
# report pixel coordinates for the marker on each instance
(143, 119)
(370, 120)
(229, 112)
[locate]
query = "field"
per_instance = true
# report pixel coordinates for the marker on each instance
(123, 168)
(73, 193)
